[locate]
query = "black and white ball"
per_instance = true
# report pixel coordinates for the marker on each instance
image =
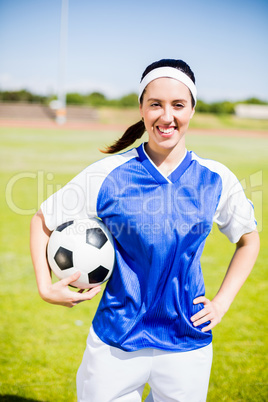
(84, 245)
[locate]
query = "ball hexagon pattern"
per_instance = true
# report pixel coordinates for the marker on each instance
(84, 245)
(64, 258)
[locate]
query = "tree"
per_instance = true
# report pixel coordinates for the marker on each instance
(75, 99)
(202, 107)
(21, 96)
(130, 100)
(222, 108)
(254, 101)
(96, 99)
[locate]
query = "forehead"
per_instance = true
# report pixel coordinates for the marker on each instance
(167, 88)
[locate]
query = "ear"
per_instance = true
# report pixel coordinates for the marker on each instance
(141, 112)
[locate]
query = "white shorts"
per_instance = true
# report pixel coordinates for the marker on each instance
(110, 374)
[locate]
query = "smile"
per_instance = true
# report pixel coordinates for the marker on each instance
(166, 132)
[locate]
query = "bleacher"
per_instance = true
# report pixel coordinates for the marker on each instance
(28, 111)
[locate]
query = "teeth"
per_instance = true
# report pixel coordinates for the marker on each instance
(166, 130)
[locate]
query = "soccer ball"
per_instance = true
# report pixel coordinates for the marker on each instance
(84, 245)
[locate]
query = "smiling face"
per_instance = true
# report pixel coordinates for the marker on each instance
(167, 110)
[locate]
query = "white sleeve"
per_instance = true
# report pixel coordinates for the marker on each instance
(235, 213)
(76, 200)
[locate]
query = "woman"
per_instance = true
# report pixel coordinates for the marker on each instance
(159, 201)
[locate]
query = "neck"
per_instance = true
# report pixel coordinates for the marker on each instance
(166, 160)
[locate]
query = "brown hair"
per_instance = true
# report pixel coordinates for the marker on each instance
(137, 130)
(128, 138)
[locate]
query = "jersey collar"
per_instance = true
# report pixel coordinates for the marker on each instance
(154, 171)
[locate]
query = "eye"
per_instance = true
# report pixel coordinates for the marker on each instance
(155, 104)
(179, 105)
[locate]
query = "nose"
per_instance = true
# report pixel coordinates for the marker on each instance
(167, 116)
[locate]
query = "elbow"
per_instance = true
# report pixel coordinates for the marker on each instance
(257, 241)
(250, 240)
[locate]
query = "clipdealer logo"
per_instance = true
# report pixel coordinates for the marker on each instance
(41, 184)
(253, 186)
(43, 187)
(163, 228)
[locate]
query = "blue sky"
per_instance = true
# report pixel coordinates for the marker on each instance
(110, 42)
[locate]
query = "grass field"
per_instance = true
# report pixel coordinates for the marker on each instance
(42, 344)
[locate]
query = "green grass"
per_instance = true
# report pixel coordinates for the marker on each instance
(227, 121)
(42, 344)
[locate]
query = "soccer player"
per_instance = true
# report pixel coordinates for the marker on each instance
(159, 200)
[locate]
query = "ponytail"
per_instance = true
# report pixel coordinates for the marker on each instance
(128, 138)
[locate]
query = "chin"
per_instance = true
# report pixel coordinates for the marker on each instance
(169, 142)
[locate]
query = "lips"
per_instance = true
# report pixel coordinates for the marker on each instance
(166, 131)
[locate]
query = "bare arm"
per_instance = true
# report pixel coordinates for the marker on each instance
(57, 293)
(243, 260)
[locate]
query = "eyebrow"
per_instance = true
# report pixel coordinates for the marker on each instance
(159, 100)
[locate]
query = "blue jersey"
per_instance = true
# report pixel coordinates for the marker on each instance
(160, 225)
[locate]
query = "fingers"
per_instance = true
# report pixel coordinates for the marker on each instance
(65, 296)
(88, 295)
(201, 299)
(71, 278)
(209, 327)
(82, 294)
(75, 298)
(208, 313)
(201, 319)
